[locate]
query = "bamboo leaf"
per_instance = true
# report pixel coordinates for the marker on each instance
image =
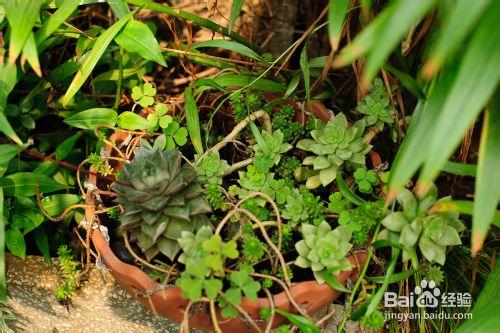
(3, 279)
(65, 148)
(476, 81)
(7, 152)
(174, 12)
(235, 11)
(389, 34)
(193, 121)
(485, 312)
(462, 19)
(337, 12)
(91, 118)
(414, 148)
(460, 169)
(137, 37)
(231, 46)
(242, 80)
(55, 20)
(487, 191)
(393, 278)
(302, 323)
(24, 184)
(56, 204)
(304, 66)
(100, 46)
(21, 17)
(407, 81)
(31, 54)
(119, 8)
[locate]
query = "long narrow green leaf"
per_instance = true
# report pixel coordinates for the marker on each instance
(193, 121)
(229, 45)
(21, 17)
(468, 207)
(337, 12)
(25, 184)
(476, 81)
(55, 20)
(460, 169)
(235, 11)
(407, 81)
(206, 23)
(100, 46)
(413, 150)
(365, 40)
(91, 118)
(393, 278)
(388, 35)
(464, 15)
(487, 192)
(346, 190)
(485, 313)
(7, 152)
(302, 323)
(119, 7)
(375, 300)
(242, 80)
(31, 54)
(3, 280)
(304, 66)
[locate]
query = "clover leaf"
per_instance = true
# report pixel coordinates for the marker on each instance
(338, 203)
(365, 180)
(176, 135)
(144, 96)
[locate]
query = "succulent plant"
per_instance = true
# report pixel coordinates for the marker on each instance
(252, 181)
(375, 106)
(284, 120)
(161, 198)
(323, 250)
(211, 168)
(286, 169)
(333, 144)
(215, 197)
(278, 190)
(360, 221)
(303, 207)
(416, 226)
(365, 179)
(268, 151)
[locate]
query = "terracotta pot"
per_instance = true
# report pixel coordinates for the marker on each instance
(169, 303)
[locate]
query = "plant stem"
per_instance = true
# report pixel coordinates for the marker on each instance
(196, 20)
(358, 283)
(120, 79)
(238, 165)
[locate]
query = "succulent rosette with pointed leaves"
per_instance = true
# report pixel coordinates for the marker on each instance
(323, 250)
(333, 144)
(161, 198)
(416, 226)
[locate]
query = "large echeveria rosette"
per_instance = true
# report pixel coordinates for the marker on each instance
(161, 198)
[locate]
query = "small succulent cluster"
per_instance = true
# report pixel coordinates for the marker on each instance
(284, 120)
(333, 144)
(268, 151)
(100, 165)
(215, 197)
(373, 321)
(361, 221)
(164, 199)
(286, 169)
(69, 271)
(303, 207)
(375, 106)
(323, 250)
(244, 103)
(417, 226)
(253, 249)
(211, 168)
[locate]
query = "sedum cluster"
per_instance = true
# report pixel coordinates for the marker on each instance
(417, 226)
(268, 150)
(161, 198)
(323, 250)
(333, 144)
(375, 106)
(211, 168)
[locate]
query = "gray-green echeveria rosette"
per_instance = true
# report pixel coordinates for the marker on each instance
(416, 226)
(323, 250)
